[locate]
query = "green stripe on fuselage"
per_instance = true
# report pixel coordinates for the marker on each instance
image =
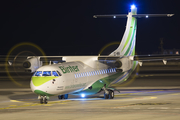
(37, 81)
(39, 92)
(98, 85)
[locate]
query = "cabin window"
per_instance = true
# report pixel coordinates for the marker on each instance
(46, 73)
(38, 73)
(97, 72)
(113, 70)
(87, 74)
(54, 73)
(103, 71)
(106, 70)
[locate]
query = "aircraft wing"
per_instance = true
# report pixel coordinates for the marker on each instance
(163, 58)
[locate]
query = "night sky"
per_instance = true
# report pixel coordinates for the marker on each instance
(67, 27)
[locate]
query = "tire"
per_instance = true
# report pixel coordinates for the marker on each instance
(111, 94)
(60, 96)
(66, 96)
(45, 101)
(41, 101)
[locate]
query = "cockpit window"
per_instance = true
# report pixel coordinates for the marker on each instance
(34, 73)
(54, 73)
(38, 73)
(59, 73)
(46, 73)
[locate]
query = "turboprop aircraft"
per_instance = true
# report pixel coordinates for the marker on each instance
(87, 75)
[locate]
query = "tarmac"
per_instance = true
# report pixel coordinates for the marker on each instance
(151, 93)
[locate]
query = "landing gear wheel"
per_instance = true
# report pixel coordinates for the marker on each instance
(45, 100)
(61, 96)
(111, 94)
(66, 96)
(105, 96)
(41, 100)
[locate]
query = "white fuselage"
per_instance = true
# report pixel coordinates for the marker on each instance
(75, 76)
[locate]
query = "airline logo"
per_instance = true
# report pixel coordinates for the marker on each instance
(69, 69)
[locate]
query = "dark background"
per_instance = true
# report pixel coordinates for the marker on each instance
(67, 27)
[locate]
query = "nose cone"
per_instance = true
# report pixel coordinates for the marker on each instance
(41, 85)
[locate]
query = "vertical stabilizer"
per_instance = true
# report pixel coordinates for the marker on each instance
(127, 45)
(128, 42)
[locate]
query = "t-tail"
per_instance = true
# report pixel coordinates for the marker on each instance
(128, 42)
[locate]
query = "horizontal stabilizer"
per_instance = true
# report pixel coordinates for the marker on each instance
(111, 16)
(137, 16)
(152, 15)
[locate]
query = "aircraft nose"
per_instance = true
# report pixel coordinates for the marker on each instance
(40, 85)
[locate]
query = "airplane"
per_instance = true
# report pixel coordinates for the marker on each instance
(87, 75)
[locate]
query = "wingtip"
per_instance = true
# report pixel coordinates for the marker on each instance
(170, 15)
(94, 16)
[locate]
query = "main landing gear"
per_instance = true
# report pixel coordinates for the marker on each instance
(63, 96)
(108, 93)
(43, 99)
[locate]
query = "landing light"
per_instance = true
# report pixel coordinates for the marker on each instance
(114, 16)
(133, 6)
(147, 16)
(82, 95)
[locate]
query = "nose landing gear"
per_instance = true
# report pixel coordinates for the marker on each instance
(43, 99)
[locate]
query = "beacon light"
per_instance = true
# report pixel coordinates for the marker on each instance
(133, 6)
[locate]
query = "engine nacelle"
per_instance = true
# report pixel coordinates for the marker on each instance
(123, 64)
(32, 64)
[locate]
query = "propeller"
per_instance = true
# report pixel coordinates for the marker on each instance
(15, 62)
(113, 61)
